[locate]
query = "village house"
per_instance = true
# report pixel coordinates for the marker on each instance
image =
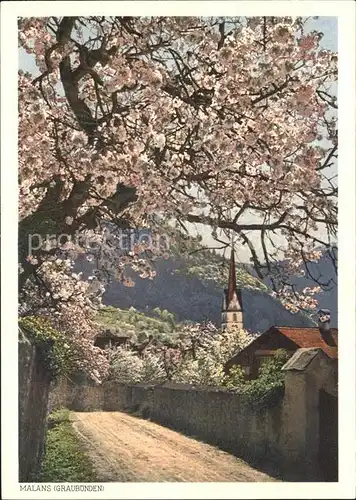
(106, 338)
(265, 345)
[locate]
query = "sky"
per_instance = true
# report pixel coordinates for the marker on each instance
(327, 25)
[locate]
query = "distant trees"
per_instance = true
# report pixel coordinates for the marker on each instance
(202, 365)
(198, 357)
(140, 327)
(128, 367)
(166, 316)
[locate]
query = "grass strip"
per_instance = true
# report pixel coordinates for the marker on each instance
(65, 459)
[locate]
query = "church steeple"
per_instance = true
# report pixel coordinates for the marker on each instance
(232, 314)
(232, 278)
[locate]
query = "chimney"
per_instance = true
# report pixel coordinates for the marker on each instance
(324, 320)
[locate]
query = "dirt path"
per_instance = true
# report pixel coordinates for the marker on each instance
(126, 448)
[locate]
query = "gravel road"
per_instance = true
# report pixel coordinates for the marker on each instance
(126, 448)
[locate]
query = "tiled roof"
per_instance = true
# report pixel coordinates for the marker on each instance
(311, 337)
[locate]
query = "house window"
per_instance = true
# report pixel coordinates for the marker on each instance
(247, 370)
(235, 317)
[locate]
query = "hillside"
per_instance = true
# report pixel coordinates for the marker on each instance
(159, 324)
(191, 288)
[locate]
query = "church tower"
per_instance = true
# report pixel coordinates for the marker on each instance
(232, 314)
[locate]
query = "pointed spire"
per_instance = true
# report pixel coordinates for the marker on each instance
(232, 312)
(231, 290)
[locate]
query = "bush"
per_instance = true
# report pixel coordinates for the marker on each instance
(268, 389)
(130, 368)
(60, 416)
(235, 379)
(64, 459)
(57, 353)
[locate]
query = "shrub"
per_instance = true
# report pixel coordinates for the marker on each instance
(55, 345)
(127, 367)
(235, 379)
(268, 389)
(60, 416)
(202, 371)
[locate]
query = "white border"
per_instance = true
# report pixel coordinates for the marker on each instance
(345, 11)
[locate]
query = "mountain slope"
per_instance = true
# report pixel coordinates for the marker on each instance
(180, 288)
(191, 298)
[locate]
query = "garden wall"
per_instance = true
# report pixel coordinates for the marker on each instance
(34, 384)
(285, 439)
(214, 416)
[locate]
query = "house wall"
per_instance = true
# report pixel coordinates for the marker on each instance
(266, 342)
(322, 374)
(302, 413)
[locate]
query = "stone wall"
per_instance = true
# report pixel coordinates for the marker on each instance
(216, 416)
(282, 440)
(82, 397)
(34, 384)
(221, 418)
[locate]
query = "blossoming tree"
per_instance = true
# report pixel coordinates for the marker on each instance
(227, 122)
(199, 357)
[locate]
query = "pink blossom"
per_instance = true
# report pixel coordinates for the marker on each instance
(202, 129)
(308, 42)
